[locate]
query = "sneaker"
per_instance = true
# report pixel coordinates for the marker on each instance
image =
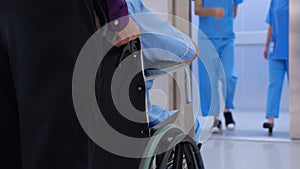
(229, 122)
(217, 127)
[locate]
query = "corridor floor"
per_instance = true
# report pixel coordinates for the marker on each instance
(251, 147)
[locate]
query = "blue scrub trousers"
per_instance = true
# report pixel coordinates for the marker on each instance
(158, 114)
(225, 50)
(277, 70)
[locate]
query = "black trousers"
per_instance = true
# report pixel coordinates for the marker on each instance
(39, 44)
(40, 41)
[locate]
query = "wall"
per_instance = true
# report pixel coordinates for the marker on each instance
(294, 68)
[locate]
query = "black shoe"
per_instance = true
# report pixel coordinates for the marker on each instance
(229, 122)
(217, 127)
(199, 145)
(268, 125)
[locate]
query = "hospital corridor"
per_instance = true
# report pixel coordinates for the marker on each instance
(150, 84)
(250, 145)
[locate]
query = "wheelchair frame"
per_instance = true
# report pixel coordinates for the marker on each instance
(176, 134)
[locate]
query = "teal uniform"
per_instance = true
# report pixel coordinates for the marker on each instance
(220, 33)
(278, 18)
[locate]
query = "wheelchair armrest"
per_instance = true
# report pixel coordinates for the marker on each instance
(163, 68)
(159, 68)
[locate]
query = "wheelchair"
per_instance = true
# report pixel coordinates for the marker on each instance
(173, 145)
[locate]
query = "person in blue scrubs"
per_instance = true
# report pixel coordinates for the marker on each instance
(216, 22)
(276, 52)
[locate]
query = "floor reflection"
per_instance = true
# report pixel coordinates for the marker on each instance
(250, 146)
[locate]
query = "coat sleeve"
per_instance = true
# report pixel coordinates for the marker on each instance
(117, 13)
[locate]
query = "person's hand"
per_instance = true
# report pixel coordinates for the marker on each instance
(219, 13)
(266, 53)
(129, 33)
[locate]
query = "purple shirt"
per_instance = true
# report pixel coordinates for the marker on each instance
(118, 14)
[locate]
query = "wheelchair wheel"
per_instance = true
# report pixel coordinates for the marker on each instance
(185, 155)
(181, 151)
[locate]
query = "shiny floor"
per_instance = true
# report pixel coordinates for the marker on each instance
(251, 147)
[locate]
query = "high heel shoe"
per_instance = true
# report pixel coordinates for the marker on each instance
(268, 125)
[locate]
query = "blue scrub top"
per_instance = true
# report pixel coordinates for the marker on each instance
(278, 17)
(218, 28)
(160, 40)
